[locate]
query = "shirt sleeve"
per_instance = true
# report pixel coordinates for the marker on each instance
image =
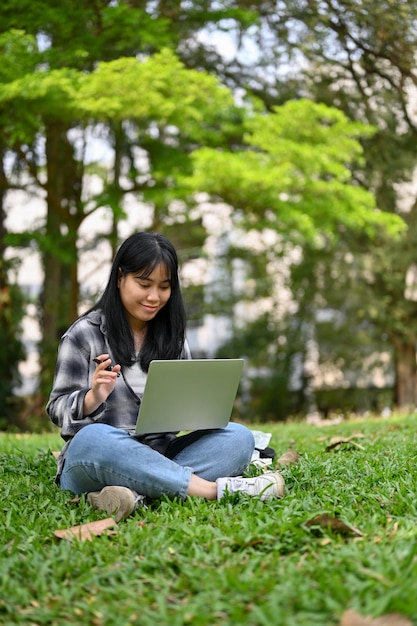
(70, 385)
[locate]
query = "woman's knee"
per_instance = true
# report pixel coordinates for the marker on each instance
(94, 450)
(242, 436)
(95, 440)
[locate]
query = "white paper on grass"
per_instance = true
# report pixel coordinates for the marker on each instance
(261, 442)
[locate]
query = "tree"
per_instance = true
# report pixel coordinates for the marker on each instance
(177, 98)
(11, 315)
(373, 76)
(294, 180)
(360, 58)
(95, 67)
(294, 175)
(13, 49)
(52, 120)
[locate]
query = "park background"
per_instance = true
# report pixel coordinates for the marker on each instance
(273, 142)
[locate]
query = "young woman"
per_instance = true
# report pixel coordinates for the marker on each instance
(100, 375)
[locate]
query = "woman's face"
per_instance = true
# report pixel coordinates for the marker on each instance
(144, 296)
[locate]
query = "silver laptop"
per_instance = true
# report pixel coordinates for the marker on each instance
(191, 394)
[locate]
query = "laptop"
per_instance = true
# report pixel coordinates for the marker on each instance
(195, 394)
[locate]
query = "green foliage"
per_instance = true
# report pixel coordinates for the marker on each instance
(295, 174)
(273, 349)
(79, 35)
(238, 561)
(19, 54)
(158, 90)
(352, 348)
(138, 97)
(140, 75)
(52, 92)
(360, 57)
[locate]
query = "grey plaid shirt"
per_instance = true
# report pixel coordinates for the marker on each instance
(83, 341)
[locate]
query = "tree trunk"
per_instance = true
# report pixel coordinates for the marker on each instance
(6, 318)
(119, 149)
(59, 304)
(11, 313)
(405, 390)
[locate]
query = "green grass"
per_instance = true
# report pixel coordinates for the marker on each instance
(239, 561)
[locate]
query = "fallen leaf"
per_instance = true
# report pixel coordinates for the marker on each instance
(351, 618)
(354, 436)
(55, 453)
(87, 531)
(337, 442)
(289, 457)
(334, 524)
(393, 531)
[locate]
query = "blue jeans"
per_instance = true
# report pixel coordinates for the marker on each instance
(100, 455)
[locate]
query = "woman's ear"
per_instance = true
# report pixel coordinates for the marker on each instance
(119, 277)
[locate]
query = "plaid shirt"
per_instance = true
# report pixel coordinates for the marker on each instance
(83, 341)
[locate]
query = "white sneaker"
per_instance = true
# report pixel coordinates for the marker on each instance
(117, 501)
(268, 485)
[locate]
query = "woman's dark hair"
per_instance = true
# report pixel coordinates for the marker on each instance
(165, 336)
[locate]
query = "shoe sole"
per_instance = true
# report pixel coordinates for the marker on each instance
(278, 491)
(116, 501)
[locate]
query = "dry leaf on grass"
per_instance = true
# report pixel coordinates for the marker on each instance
(337, 442)
(55, 453)
(336, 525)
(87, 531)
(351, 618)
(393, 531)
(289, 457)
(353, 436)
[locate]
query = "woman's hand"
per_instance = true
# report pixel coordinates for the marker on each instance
(102, 383)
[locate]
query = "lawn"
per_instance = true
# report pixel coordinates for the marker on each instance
(235, 562)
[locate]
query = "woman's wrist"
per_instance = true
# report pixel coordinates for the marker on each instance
(91, 403)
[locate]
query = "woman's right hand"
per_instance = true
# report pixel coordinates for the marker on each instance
(102, 383)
